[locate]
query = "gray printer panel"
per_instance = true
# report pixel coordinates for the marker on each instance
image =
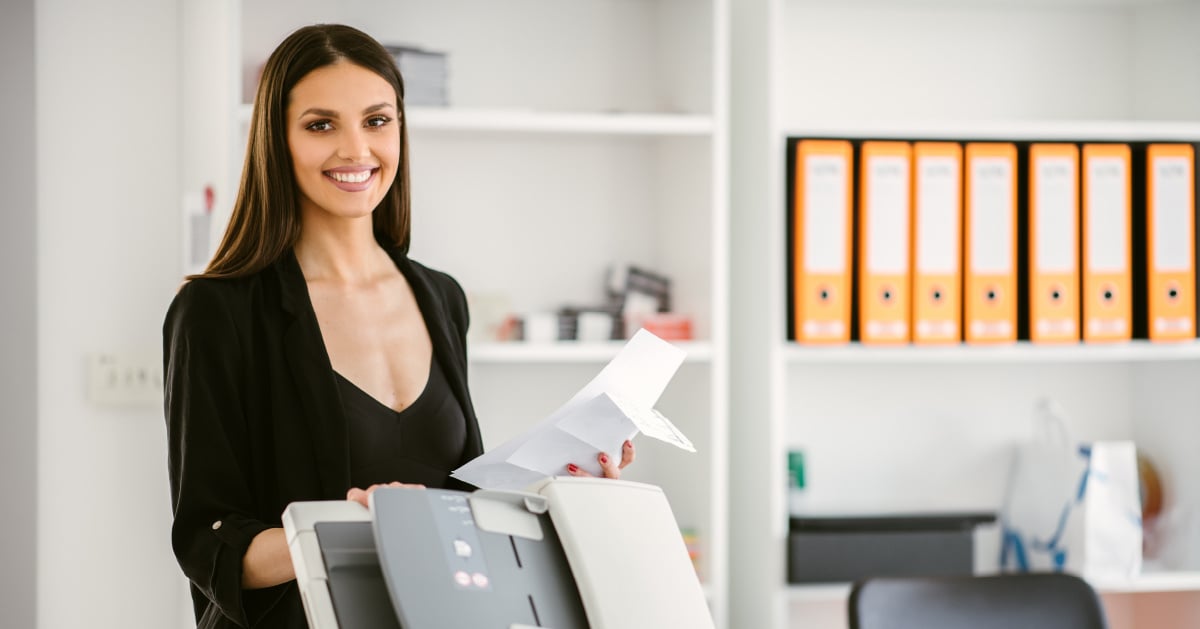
(443, 572)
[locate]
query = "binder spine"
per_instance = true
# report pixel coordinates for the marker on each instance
(1107, 279)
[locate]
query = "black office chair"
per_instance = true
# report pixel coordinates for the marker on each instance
(1009, 601)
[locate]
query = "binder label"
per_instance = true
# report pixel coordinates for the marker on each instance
(937, 215)
(1056, 327)
(1172, 210)
(989, 329)
(1055, 216)
(887, 223)
(825, 217)
(929, 328)
(814, 328)
(991, 206)
(1173, 325)
(1107, 327)
(1106, 225)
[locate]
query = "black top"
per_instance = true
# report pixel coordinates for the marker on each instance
(420, 444)
(254, 422)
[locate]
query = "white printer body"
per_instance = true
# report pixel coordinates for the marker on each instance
(569, 553)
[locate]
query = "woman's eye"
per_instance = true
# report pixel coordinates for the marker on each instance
(319, 125)
(378, 121)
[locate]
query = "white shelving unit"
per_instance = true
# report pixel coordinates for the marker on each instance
(1021, 352)
(568, 352)
(529, 121)
(928, 429)
(580, 134)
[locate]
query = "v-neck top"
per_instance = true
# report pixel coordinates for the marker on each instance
(421, 443)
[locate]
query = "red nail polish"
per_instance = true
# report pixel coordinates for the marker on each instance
(604, 459)
(572, 468)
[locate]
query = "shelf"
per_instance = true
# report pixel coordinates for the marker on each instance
(1033, 130)
(1021, 352)
(1146, 583)
(1150, 582)
(818, 593)
(569, 352)
(530, 121)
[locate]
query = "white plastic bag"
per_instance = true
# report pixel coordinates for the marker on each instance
(1072, 506)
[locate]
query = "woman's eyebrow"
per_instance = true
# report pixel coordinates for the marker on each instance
(329, 113)
(324, 113)
(376, 107)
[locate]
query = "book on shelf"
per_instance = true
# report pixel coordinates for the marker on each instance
(425, 74)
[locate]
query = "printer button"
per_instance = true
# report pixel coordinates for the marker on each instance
(461, 548)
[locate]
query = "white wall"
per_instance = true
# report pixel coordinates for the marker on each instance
(949, 61)
(1166, 63)
(754, 561)
(18, 318)
(107, 241)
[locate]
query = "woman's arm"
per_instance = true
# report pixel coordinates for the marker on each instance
(208, 452)
(267, 561)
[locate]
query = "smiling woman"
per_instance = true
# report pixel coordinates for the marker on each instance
(309, 309)
(312, 360)
(344, 154)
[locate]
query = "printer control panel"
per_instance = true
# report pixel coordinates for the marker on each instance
(459, 539)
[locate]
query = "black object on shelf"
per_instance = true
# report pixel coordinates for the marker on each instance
(848, 548)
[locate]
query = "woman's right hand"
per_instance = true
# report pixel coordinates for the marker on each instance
(362, 496)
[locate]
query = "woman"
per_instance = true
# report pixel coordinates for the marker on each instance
(312, 360)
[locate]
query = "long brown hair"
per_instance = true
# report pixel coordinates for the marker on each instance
(266, 215)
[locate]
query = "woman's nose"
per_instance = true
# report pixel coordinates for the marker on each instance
(353, 144)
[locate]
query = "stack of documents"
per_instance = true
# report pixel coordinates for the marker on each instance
(614, 407)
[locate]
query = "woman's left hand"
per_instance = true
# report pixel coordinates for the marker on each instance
(611, 468)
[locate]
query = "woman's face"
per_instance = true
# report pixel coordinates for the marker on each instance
(343, 131)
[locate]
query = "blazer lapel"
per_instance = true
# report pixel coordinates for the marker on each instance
(312, 374)
(447, 345)
(437, 321)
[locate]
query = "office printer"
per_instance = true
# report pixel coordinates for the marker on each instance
(570, 553)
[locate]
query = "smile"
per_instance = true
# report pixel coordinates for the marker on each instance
(351, 180)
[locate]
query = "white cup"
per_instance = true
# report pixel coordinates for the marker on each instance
(594, 327)
(541, 327)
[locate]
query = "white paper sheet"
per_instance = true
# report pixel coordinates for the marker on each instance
(614, 406)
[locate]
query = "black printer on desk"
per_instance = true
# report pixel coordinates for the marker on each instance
(833, 549)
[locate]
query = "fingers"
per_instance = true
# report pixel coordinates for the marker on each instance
(609, 466)
(363, 496)
(627, 454)
(357, 495)
(575, 470)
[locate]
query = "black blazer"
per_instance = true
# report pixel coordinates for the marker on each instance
(255, 422)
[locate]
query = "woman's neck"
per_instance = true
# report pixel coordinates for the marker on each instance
(342, 251)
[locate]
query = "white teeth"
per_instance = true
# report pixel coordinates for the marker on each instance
(357, 177)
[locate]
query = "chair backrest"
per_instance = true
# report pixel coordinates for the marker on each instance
(1022, 601)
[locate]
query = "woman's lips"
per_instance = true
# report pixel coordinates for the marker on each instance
(352, 180)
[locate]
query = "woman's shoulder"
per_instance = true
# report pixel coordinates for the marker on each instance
(440, 279)
(448, 291)
(209, 298)
(207, 293)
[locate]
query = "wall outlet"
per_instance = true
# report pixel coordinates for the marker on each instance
(125, 379)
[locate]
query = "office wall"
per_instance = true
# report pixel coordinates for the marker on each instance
(107, 244)
(18, 319)
(751, 125)
(1166, 40)
(953, 61)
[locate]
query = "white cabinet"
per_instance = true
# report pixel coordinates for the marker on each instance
(916, 429)
(579, 134)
